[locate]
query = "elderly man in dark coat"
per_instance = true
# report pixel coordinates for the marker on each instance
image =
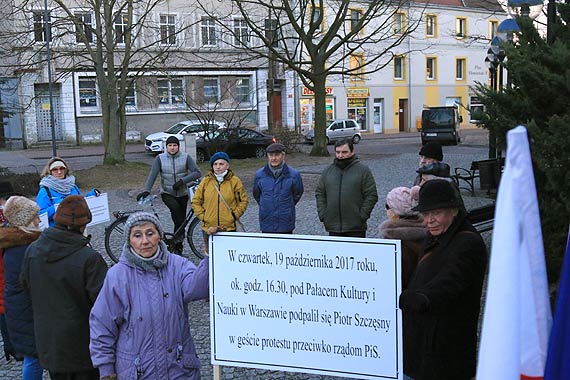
(442, 303)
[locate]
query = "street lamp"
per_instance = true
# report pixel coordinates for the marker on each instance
(526, 8)
(494, 61)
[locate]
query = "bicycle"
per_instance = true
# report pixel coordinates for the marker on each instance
(115, 232)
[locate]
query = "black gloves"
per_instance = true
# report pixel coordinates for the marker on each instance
(178, 184)
(413, 301)
(142, 195)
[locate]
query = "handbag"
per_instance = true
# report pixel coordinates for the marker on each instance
(239, 225)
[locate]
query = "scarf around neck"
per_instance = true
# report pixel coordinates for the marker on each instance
(343, 164)
(152, 264)
(62, 186)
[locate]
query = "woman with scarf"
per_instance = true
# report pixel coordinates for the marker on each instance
(139, 323)
(220, 199)
(56, 184)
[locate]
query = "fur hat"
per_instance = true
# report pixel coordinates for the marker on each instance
(219, 156)
(437, 193)
(73, 212)
(438, 169)
(401, 200)
(20, 211)
(141, 217)
(433, 150)
(172, 140)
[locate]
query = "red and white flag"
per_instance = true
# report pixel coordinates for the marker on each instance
(517, 317)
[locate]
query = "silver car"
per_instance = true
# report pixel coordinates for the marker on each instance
(338, 130)
(155, 142)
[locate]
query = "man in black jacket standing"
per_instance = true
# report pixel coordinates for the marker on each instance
(346, 193)
(64, 276)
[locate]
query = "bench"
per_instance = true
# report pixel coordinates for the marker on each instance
(482, 218)
(488, 171)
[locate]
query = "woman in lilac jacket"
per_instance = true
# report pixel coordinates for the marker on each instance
(139, 323)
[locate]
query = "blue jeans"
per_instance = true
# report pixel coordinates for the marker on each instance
(32, 369)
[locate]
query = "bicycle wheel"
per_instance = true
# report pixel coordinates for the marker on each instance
(115, 238)
(195, 238)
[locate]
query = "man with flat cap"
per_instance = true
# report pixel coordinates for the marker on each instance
(440, 307)
(277, 188)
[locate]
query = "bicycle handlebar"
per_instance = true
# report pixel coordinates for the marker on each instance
(148, 199)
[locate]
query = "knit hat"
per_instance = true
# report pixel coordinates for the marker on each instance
(437, 193)
(433, 150)
(138, 218)
(438, 169)
(219, 155)
(57, 164)
(73, 212)
(20, 211)
(401, 200)
(275, 148)
(172, 140)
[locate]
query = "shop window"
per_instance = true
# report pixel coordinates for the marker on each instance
(475, 109)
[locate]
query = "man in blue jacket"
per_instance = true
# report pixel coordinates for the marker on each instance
(277, 188)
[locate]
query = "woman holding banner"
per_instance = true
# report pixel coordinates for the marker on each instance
(56, 184)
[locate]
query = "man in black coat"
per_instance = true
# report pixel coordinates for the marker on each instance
(64, 276)
(442, 303)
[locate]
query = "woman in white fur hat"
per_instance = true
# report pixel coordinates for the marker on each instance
(23, 219)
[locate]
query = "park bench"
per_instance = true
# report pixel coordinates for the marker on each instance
(482, 218)
(488, 171)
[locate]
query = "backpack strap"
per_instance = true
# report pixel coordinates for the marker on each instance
(48, 193)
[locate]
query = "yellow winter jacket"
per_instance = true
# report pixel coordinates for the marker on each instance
(211, 209)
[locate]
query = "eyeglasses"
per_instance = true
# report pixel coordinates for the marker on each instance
(59, 169)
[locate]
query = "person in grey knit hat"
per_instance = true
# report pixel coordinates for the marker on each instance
(142, 309)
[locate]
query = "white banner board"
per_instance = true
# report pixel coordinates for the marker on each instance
(99, 207)
(311, 304)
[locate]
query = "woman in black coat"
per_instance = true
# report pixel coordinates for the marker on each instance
(442, 303)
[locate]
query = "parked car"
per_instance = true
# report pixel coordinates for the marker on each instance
(237, 142)
(441, 124)
(338, 130)
(155, 142)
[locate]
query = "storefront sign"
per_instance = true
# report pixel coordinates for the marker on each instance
(306, 92)
(357, 92)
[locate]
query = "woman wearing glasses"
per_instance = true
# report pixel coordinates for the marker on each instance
(56, 184)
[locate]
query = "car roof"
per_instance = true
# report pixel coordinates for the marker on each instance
(195, 121)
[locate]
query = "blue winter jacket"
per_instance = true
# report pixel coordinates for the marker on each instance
(47, 204)
(139, 323)
(277, 198)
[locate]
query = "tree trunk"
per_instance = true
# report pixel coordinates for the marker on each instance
(320, 143)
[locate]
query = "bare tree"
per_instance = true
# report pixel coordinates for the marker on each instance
(318, 39)
(118, 40)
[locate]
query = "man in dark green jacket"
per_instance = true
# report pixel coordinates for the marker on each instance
(346, 193)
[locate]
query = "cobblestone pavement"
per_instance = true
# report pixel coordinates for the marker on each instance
(389, 170)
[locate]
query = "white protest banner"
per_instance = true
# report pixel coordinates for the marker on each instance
(99, 207)
(311, 304)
